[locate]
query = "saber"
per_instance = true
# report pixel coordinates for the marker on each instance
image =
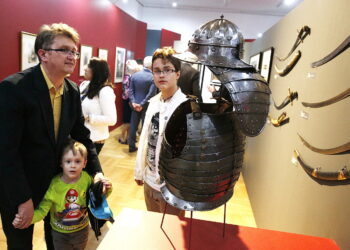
(330, 101)
(343, 174)
(289, 66)
(303, 33)
(289, 99)
(281, 120)
(342, 47)
(329, 151)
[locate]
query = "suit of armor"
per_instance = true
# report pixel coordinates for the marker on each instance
(202, 151)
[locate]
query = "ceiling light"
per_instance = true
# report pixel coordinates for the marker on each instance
(174, 4)
(289, 2)
(125, 1)
(260, 34)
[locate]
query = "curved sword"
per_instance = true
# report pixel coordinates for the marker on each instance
(289, 66)
(289, 99)
(330, 101)
(281, 120)
(343, 174)
(329, 151)
(305, 31)
(342, 47)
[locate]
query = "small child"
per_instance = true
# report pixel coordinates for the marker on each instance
(66, 200)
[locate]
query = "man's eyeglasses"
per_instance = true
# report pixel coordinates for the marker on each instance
(165, 72)
(67, 52)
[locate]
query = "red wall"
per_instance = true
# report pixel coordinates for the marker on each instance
(99, 23)
(168, 37)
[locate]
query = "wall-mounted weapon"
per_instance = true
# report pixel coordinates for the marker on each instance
(289, 99)
(303, 33)
(341, 175)
(329, 101)
(327, 151)
(281, 120)
(342, 47)
(290, 65)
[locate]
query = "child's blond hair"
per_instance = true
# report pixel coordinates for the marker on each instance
(75, 147)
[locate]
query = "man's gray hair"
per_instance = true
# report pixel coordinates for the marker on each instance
(147, 62)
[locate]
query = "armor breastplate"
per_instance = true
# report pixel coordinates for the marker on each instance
(250, 96)
(201, 157)
(202, 150)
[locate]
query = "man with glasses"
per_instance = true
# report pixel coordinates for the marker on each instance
(39, 110)
(166, 72)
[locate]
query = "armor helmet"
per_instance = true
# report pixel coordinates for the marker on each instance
(218, 43)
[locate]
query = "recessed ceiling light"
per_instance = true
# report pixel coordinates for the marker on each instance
(125, 1)
(259, 34)
(174, 4)
(289, 2)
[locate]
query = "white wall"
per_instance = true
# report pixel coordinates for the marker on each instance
(186, 22)
(132, 7)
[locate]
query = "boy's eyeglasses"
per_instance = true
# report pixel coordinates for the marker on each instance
(165, 72)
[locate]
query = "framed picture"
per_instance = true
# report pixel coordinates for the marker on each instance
(103, 54)
(119, 64)
(255, 61)
(266, 63)
(85, 55)
(28, 56)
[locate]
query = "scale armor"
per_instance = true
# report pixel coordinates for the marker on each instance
(201, 157)
(250, 96)
(202, 151)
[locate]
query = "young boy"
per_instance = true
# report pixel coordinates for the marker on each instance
(166, 72)
(66, 200)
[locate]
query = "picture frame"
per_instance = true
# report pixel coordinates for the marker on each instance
(130, 55)
(85, 55)
(266, 63)
(119, 64)
(28, 55)
(103, 53)
(255, 61)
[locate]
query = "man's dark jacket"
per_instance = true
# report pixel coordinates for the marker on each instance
(189, 80)
(142, 87)
(29, 154)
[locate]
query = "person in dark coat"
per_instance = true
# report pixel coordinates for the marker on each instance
(141, 89)
(39, 110)
(189, 80)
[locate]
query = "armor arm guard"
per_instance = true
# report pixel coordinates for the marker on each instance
(250, 96)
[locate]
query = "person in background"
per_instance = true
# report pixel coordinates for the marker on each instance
(83, 87)
(66, 200)
(189, 80)
(39, 109)
(166, 71)
(141, 89)
(98, 101)
(131, 68)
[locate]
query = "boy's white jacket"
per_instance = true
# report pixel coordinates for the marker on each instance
(165, 110)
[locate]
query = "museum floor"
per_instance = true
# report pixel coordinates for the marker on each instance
(118, 165)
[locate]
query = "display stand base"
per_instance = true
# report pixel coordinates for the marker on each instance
(135, 229)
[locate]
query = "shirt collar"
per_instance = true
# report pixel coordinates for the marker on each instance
(49, 83)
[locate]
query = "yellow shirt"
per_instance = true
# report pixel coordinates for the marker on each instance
(56, 100)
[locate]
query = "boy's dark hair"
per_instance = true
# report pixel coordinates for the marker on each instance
(166, 53)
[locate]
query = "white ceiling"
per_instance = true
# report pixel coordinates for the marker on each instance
(257, 7)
